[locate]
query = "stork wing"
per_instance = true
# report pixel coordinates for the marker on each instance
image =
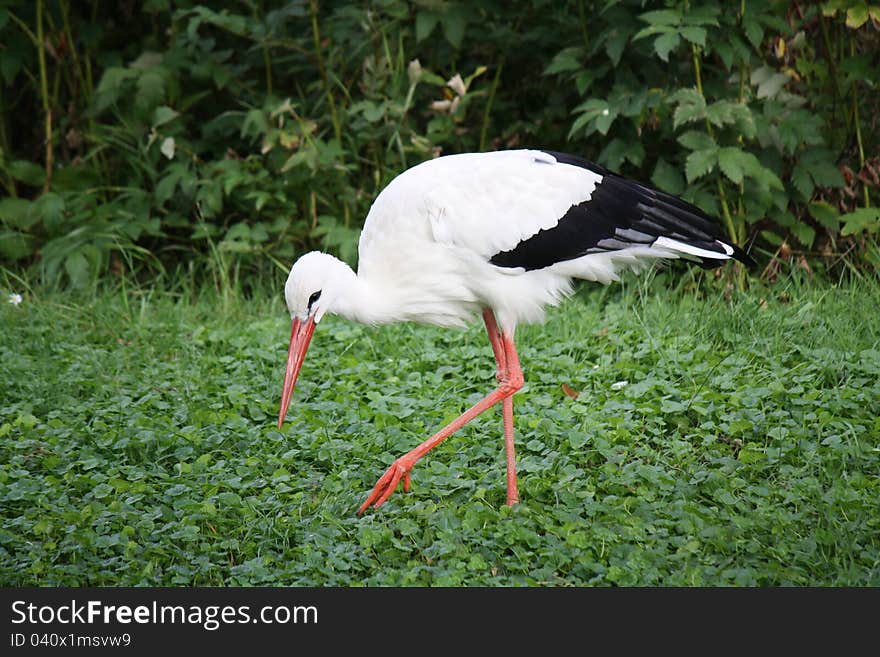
(492, 202)
(530, 209)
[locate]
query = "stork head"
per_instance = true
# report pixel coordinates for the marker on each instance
(316, 280)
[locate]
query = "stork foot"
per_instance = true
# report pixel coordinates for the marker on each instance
(387, 483)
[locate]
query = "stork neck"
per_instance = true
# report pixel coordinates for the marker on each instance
(361, 301)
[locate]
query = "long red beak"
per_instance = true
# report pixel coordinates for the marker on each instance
(300, 336)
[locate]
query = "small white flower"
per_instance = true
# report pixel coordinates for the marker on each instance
(446, 106)
(617, 385)
(167, 147)
(414, 71)
(15, 299)
(457, 84)
(605, 112)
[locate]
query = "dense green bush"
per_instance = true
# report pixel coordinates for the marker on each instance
(164, 135)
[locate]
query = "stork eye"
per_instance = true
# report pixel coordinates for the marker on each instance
(312, 299)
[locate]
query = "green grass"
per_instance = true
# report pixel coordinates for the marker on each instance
(138, 444)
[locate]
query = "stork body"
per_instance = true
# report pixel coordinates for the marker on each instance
(501, 235)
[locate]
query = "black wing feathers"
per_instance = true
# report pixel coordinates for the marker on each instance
(573, 236)
(619, 214)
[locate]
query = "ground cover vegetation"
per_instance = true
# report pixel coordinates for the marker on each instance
(665, 437)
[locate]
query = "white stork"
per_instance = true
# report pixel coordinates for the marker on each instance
(500, 234)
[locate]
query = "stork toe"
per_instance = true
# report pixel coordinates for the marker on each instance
(387, 484)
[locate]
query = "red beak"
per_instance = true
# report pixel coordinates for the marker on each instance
(300, 336)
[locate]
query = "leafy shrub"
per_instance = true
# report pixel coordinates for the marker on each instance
(733, 106)
(175, 135)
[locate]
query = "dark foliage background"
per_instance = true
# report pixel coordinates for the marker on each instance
(182, 139)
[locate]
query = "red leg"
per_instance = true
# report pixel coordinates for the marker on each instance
(512, 492)
(495, 341)
(511, 381)
(506, 405)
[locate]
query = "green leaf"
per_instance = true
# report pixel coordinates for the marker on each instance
(163, 114)
(721, 113)
(831, 7)
(860, 68)
(618, 151)
(826, 174)
(802, 182)
(210, 198)
(703, 15)
(857, 16)
(695, 35)
(594, 109)
(804, 233)
(651, 30)
(605, 119)
(810, 126)
(789, 135)
(374, 112)
(113, 79)
(150, 89)
(628, 102)
(426, 21)
(454, 26)
(745, 122)
(666, 43)
(772, 86)
(583, 80)
(768, 81)
(15, 245)
(786, 219)
(867, 219)
(668, 178)
(430, 77)
(726, 112)
(753, 168)
(295, 160)
(480, 70)
(691, 107)
(819, 163)
(826, 214)
(17, 213)
(615, 45)
(166, 186)
(699, 163)
(11, 63)
(704, 197)
(696, 140)
(29, 173)
(725, 51)
(569, 59)
(77, 267)
(771, 238)
(579, 124)
(50, 209)
(730, 161)
(754, 31)
(254, 124)
(661, 17)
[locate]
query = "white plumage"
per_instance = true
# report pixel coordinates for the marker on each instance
(501, 233)
(445, 213)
